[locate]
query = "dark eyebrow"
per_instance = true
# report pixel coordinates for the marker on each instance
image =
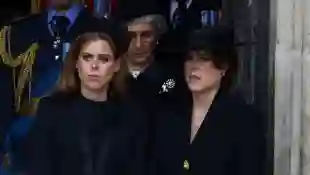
(132, 34)
(89, 54)
(86, 54)
(140, 32)
(105, 55)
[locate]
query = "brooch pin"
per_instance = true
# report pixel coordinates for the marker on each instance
(135, 74)
(168, 84)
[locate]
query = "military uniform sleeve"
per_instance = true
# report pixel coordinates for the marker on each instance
(13, 51)
(38, 146)
(17, 54)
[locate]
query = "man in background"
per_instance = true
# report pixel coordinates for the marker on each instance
(184, 16)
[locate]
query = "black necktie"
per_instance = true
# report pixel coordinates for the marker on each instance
(59, 25)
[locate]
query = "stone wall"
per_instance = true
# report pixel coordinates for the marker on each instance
(292, 83)
(306, 90)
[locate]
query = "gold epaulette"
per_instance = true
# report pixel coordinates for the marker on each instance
(7, 57)
(18, 19)
(25, 61)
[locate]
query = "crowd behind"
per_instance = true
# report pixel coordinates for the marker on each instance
(147, 91)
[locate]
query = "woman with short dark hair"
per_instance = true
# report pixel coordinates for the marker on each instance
(85, 126)
(214, 131)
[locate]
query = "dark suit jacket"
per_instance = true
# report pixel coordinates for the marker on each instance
(229, 142)
(195, 7)
(58, 145)
(173, 42)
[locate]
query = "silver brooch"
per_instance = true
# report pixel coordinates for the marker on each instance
(135, 74)
(167, 85)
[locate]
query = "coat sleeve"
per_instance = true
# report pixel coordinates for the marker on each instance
(39, 143)
(6, 103)
(251, 147)
(15, 41)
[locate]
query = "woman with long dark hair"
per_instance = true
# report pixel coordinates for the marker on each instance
(214, 131)
(85, 126)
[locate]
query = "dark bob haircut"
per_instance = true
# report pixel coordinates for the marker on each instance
(218, 44)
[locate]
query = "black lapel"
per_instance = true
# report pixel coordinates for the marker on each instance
(184, 113)
(214, 114)
(83, 139)
(101, 162)
(150, 80)
(154, 74)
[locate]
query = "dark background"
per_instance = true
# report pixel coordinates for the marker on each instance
(9, 10)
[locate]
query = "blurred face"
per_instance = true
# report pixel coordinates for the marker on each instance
(143, 41)
(200, 73)
(96, 65)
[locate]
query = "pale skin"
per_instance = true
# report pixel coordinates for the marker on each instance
(141, 47)
(96, 66)
(203, 80)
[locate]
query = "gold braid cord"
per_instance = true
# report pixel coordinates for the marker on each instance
(25, 61)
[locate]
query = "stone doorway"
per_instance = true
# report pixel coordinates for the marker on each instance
(251, 20)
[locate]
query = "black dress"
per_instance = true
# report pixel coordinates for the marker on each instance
(229, 141)
(73, 135)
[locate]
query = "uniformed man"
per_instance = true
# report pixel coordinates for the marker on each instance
(184, 16)
(32, 52)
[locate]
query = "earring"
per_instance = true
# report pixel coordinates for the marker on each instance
(223, 74)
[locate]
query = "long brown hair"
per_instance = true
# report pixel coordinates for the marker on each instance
(69, 82)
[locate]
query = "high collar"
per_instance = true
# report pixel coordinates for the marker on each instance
(71, 13)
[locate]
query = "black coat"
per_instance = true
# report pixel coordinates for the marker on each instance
(58, 145)
(149, 87)
(229, 142)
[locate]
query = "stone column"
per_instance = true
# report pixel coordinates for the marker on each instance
(292, 95)
(306, 90)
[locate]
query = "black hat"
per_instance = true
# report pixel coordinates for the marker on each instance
(208, 4)
(117, 31)
(128, 10)
(216, 38)
(218, 46)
